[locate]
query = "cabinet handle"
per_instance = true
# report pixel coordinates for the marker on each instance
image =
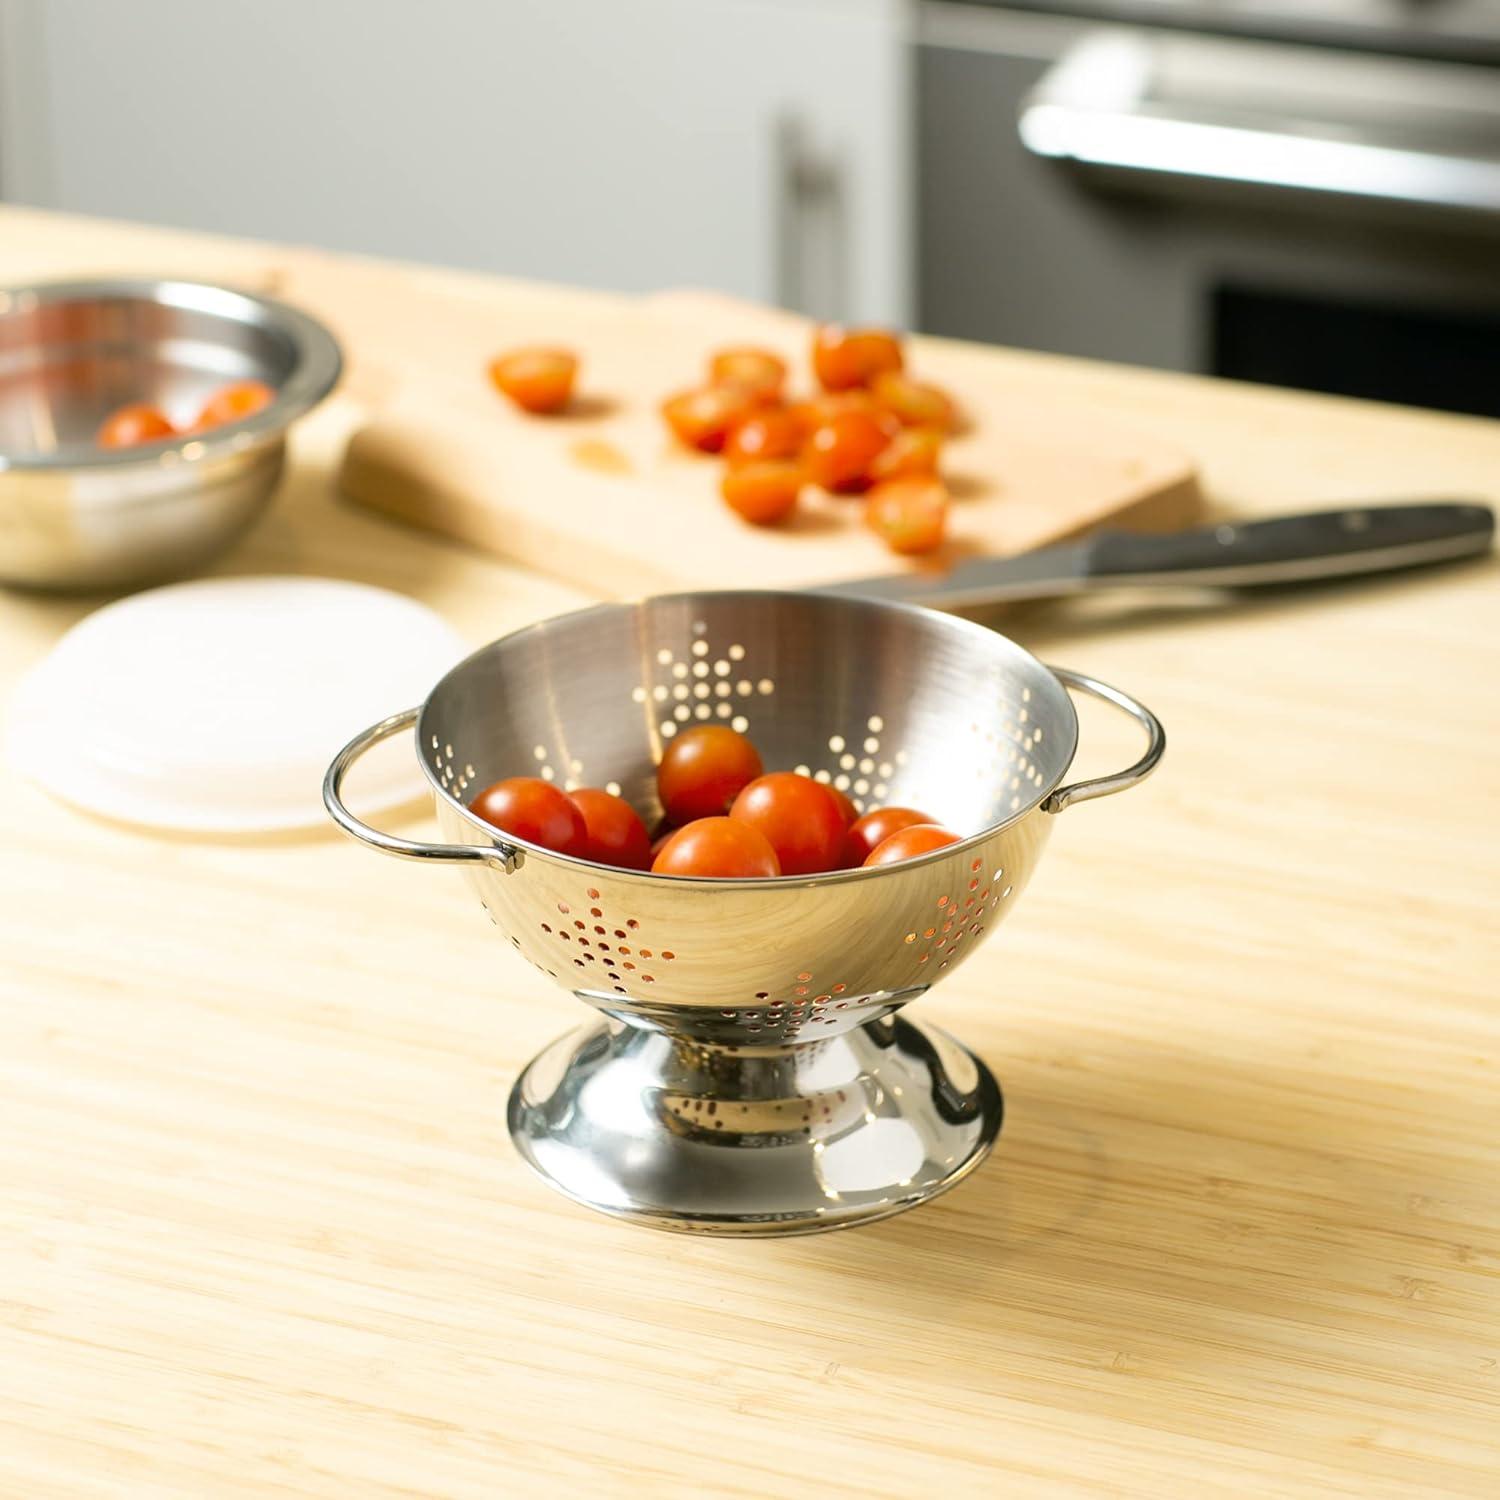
(811, 225)
(1228, 112)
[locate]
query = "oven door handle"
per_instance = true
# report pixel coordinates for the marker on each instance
(1157, 110)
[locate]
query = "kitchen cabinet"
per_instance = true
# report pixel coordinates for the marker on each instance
(758, 146)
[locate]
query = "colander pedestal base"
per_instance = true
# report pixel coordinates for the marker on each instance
(680, 1135)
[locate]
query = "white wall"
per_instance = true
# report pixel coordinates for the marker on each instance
(631, 144)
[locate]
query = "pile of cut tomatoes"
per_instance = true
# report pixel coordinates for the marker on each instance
(873, 432)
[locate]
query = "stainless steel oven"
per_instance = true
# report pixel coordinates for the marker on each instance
(1304, 194)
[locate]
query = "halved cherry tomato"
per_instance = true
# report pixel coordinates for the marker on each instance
(719, 847)
(920, 838)
(828, 404)
(703, 770)
(838, 454)
(537, 380)
(762, 493)
(845, 357)
(132, 425)
(914, 450)
(799, 818)
(703, 418)
(910, 515)
(751, 369)
(534, 810)
(772, 433)
(817, 410)
(233, 403)
(616, 835)
(913, 403)
(869, 832)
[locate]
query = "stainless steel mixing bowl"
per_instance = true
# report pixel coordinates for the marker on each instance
(73, 515)
(752, 1076)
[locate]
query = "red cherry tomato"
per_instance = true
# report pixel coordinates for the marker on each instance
(132, 425)
(703, 770)
(913, 451)
(534, 810)
(537, 380)
(838, 454)
(847, 810)
(913, 403)
(751, 369)
(616, 835)
(909, 515)
(920, 838)
(771, 433)
(717, 846)
(703, 418)
(872, 830)
(762, 493)
(800, 820)
(846, 357)
(233, 403)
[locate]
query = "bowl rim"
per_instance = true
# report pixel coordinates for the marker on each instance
(319, 363)
(970, 629)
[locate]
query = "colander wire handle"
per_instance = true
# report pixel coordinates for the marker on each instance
(498, 854)
(1106, 786)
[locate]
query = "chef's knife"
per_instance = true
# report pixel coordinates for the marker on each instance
(1287, 549)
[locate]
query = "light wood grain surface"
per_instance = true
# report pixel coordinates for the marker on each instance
(261, 1232)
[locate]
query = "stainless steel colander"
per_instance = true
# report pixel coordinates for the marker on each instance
(752, 1075)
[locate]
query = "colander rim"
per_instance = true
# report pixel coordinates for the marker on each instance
(968, 628)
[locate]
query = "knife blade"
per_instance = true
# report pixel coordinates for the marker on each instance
(1298, 548)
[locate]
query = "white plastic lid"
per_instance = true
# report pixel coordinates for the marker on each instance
(216, 706)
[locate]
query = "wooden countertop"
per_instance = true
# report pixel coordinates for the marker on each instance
(262, 1233)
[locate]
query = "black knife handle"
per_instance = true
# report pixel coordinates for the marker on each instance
(1296, 549)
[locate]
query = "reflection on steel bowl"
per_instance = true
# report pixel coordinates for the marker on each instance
(75, 515)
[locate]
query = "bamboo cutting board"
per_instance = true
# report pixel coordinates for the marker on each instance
(604, 498)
